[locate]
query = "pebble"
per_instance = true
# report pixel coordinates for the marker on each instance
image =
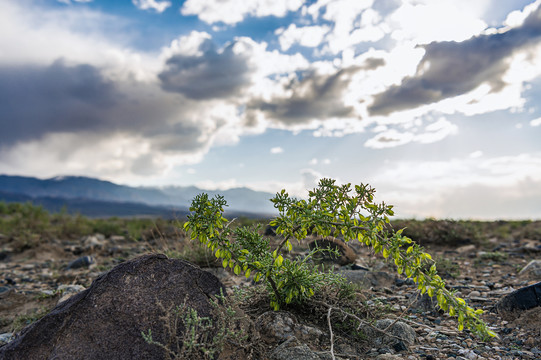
(82, 262)
(5, 338)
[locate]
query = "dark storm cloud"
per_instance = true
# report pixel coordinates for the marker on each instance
(39, 100)
(315, 96)
(212, 75)
(453, 68)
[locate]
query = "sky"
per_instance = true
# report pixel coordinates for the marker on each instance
(435, 103)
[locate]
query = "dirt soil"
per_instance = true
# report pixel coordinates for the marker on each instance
(481, 273)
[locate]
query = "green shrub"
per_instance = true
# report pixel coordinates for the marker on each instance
(329, 209)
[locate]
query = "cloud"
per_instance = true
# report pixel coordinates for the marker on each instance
(78, 121)
(450, 68)
(351, 22)
(535, 122)
(314, 97)
(156, 5)
(435, 131)
(76, 35)
(472, 187)
(68, 2)
(478, 201)
(309, 36)
(276, 150)
(37, 100)
(476, 154)
(424, 21)
(310, 179)
(233, 11)
(210, 72)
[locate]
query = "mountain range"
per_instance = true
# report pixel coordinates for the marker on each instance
(99, 198)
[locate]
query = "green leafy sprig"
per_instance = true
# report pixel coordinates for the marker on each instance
(330, 209)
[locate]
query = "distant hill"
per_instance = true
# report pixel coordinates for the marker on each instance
(97, 208)
(94, 197)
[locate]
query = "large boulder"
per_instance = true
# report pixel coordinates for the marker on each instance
(106, 320)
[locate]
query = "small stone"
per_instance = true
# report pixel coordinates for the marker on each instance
(68, 291)
(465, 249)
(530, 341)
(82, 262)
(533, 269)
(400, 346)
(5, 338)
(116, 238)
(276, 326)
(387, 356)
(474, 293)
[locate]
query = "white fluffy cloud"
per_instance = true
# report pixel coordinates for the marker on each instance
(76, 37)
(433, 132)
(234, 11)
(276, 150)
(156, 5)
(309, 36)
(535, 122)
(446, 20)
(353, 22)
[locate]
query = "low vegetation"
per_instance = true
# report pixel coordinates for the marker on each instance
(330, 209)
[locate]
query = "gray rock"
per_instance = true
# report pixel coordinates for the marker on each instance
(292, 349)
(82, 262)
(513, 304)
(399, 330)
(533, 269)
(279, 326)
(276, 326)
(92, 243)
(377, 279)
(4, 289)
(68, 291)
(389, 357)
(106, 320)
(5, 338)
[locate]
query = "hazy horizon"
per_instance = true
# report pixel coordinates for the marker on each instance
(436, 104)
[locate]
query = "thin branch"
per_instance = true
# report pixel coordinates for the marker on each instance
(287, 238)
(330, 330)
(361, 321)
(275, 289)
